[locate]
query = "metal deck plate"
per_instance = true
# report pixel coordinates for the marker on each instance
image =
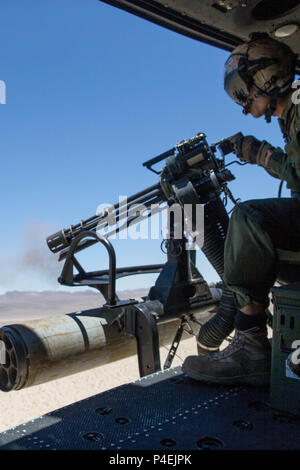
(163, 411)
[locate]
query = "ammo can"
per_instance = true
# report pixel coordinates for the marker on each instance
(285, 383)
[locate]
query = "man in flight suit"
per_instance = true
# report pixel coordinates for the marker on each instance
(258, 76)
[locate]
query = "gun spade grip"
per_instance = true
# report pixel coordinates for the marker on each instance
(236, 142)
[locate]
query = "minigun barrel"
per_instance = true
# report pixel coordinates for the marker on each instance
(62, 239)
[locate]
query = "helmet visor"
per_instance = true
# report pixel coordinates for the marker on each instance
(234, 84)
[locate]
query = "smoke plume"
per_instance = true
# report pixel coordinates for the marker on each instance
(32, 258)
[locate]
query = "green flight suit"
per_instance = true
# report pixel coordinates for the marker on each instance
(259, 229)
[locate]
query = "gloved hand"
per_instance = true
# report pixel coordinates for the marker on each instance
(251, 150)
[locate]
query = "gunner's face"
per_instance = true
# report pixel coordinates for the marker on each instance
(257, 104)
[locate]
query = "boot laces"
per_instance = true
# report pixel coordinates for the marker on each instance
(236, 344)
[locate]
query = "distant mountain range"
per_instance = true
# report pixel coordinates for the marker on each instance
(18, 305)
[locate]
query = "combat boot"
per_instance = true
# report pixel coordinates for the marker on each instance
(246, 360)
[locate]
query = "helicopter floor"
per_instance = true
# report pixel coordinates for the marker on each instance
(164, 411)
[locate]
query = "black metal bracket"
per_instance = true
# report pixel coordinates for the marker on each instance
(67, 275)
(140, 321)
(105, 280)
(179, 284)
(175, 344)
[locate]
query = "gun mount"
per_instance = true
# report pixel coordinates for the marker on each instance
(192, 177)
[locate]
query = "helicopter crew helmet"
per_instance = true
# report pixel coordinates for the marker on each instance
(262, 64)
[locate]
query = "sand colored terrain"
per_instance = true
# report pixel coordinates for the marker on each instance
(20, 406)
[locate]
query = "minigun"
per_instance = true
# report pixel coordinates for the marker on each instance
(191, 177)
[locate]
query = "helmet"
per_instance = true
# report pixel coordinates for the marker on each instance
(262, 63)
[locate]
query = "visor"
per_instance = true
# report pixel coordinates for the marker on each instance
(234, 83)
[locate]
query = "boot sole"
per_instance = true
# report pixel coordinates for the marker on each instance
(255, 379)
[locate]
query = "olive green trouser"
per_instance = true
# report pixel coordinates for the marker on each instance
(257, 230)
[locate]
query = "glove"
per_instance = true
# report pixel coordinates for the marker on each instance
(251, 150)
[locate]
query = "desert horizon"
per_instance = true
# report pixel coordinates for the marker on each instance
(15, 304)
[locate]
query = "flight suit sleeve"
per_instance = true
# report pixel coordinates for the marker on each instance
(286, 165)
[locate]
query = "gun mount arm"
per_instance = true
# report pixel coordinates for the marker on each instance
(67, 276)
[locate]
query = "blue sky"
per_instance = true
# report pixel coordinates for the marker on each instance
(92, 92)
